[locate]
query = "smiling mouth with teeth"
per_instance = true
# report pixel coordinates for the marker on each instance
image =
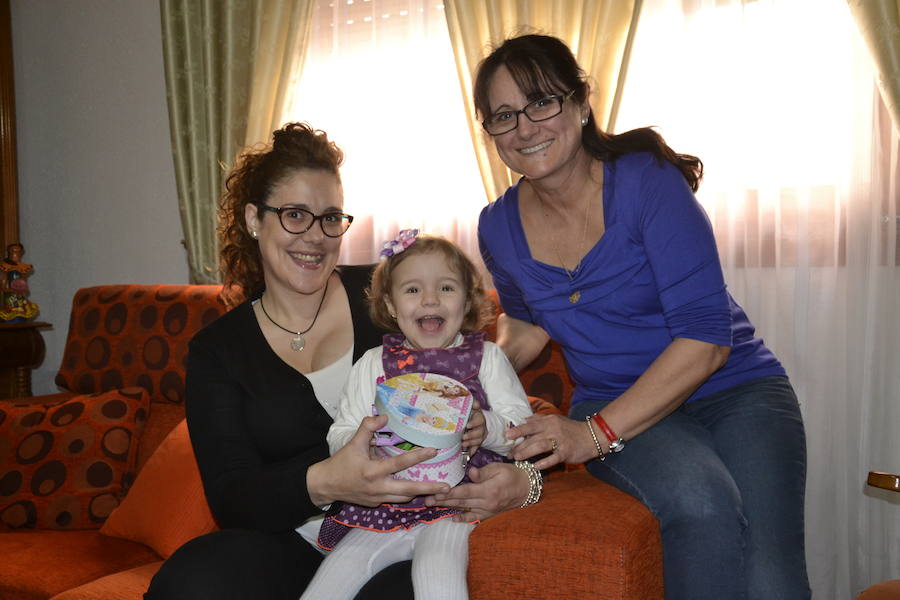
(308, 258)
(430, 323)
(537, 148)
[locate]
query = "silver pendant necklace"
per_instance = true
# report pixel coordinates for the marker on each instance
(298, 342)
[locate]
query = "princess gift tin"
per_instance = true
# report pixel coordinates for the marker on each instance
(427, 410)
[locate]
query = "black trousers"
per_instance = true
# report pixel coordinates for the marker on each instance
(239, 564)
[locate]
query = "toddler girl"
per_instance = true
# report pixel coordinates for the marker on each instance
(429, 290)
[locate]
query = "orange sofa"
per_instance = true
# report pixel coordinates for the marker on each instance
(98, 485)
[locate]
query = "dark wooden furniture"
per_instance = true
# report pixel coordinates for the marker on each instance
(885, 481)
(9, 192)
(21, 350)
(886, 590)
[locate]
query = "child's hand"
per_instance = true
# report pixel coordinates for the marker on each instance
(476, 430)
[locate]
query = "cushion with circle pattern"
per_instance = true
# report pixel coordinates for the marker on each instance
(135, 335)
(66, 465)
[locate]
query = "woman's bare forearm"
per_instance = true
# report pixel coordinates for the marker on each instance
(520, 341)
(682, 367)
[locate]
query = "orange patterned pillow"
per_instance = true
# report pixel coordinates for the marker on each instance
(166, 506)
(134, 335)
(65, 465)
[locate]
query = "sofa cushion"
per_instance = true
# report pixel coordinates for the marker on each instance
(164, 416)
(562, 552)
(65, 465)
(38, 564)
(134, 335)
(166, 506)
(125, 585)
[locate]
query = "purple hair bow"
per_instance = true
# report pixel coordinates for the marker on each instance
(404, 240)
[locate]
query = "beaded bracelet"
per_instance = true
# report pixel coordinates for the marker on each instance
(535, 482)
(590, 427)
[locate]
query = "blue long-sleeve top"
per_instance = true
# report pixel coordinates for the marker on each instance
(652, 277)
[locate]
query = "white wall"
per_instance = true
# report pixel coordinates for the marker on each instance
(96, 182)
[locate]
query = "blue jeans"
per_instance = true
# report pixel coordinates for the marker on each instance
(725, 476)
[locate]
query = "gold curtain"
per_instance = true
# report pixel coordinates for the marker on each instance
(225, 61)
(599, 33)
(283, 40)
(879, 24)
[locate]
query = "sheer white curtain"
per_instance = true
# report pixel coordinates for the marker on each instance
(777, 97)
(380, 78)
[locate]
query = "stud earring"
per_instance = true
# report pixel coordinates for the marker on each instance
(254, 235)
(584, 121)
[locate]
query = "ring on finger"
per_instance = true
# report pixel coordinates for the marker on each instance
(554, 445)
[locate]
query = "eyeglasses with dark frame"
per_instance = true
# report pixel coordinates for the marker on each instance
(299, 220)
(539, 110)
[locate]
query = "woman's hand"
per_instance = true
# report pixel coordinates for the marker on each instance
(495, 487)
(352, 476)
(476, 430)
(566, 440)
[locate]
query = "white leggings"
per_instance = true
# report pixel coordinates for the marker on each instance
(439, 553)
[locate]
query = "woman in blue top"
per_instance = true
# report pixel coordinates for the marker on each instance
(602, 247)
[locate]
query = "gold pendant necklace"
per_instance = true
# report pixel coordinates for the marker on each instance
(575, 296)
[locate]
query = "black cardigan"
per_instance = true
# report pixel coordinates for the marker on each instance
(255, 424)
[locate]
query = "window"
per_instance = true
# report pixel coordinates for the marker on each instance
(380, 78)
(770, 104)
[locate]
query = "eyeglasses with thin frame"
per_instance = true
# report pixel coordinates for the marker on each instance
(299, 220)
(539, 110)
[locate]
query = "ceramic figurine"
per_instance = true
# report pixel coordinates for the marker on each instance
(15, 304)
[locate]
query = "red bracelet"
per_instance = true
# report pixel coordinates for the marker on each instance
(616, 443)
(604, 427)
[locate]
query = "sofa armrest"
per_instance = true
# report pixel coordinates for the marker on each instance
(584, 539)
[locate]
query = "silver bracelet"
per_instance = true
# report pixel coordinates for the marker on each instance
(535, 482)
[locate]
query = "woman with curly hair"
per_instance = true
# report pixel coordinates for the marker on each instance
(263, 381)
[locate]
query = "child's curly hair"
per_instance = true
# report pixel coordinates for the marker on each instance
(481, 310)
(258, 171)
